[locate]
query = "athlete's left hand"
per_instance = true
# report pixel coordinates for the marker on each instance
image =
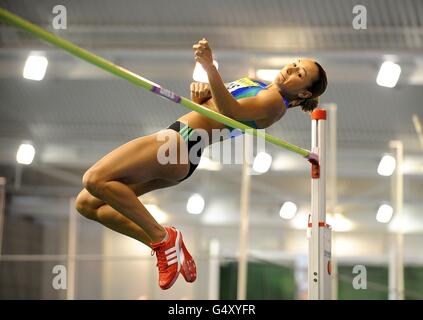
(203, 54)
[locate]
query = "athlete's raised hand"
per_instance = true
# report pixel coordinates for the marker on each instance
(203, 53)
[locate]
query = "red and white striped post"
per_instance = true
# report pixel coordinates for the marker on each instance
(318, 232)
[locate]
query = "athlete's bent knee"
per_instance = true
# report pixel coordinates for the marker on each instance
(84, 207)
(93, 181)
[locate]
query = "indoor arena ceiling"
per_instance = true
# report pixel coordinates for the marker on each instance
(78, 112)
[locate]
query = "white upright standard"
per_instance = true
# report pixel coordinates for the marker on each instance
(318, 232)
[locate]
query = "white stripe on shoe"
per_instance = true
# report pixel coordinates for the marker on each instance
(172, 261)
(173, 254)
(170, 250)
(171, 258)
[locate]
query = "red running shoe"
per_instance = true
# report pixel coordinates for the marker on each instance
(168, 255)
(188, 268)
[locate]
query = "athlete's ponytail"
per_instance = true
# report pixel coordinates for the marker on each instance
(308, 105)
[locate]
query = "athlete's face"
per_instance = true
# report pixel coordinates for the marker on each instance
(296, 77)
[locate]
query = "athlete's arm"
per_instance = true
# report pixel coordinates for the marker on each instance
(253, 108)
(223, 100)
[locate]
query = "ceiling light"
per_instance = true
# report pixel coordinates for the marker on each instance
(386, 165)
(388, 75)
(195, 204)
(262, 162)
(25, 154)
(288, 210)
(384, 213)
(35, 67)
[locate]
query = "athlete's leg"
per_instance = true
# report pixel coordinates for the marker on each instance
(96, 209)
(134, 162)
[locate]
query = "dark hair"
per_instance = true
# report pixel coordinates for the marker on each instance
(317, 88)
(308, 105)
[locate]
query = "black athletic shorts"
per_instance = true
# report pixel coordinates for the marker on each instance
(192, 138)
